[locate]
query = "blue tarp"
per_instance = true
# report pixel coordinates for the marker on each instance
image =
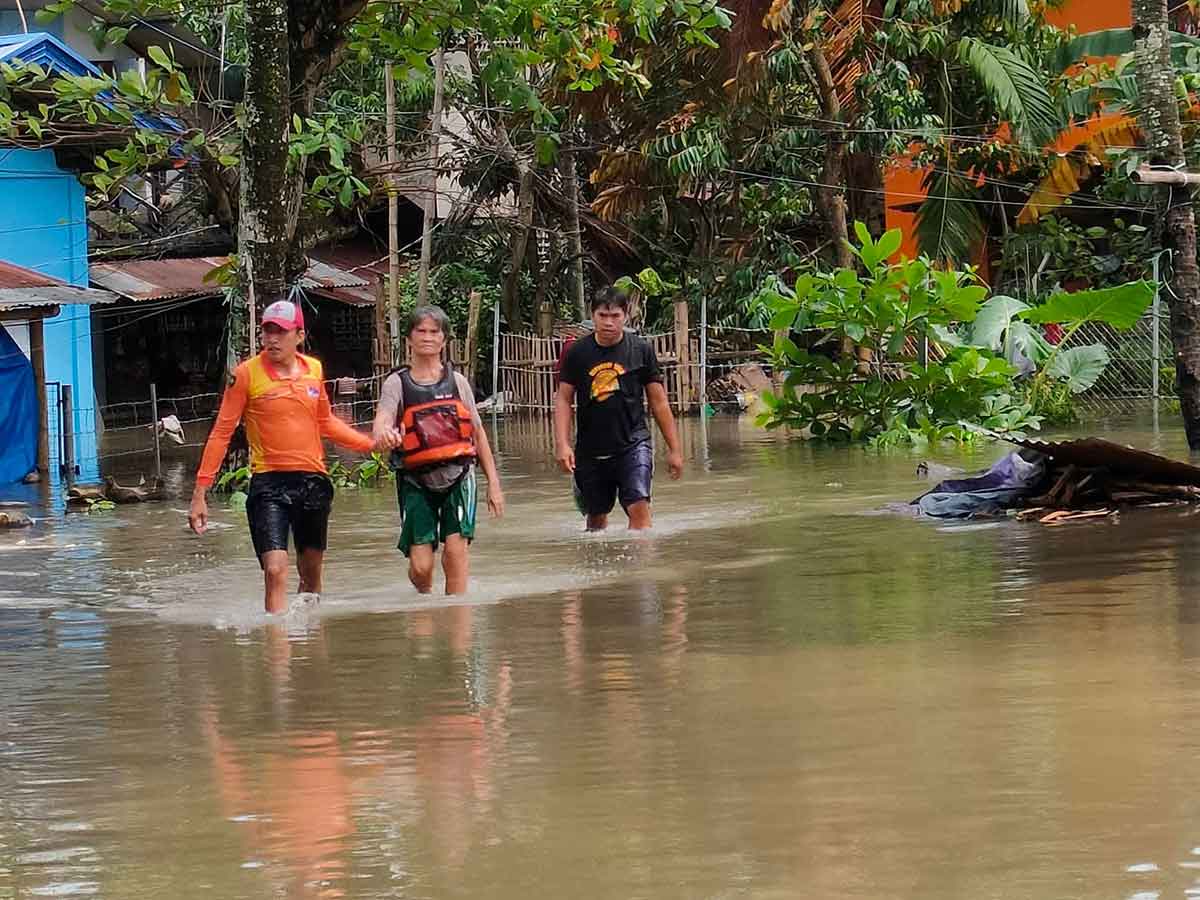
(18, 412)
(1015, 476)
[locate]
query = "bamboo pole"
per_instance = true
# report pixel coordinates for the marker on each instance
(157, 443)
(393, 160)
(703, 352)
(431, 201)
(1146, 175)
(575, 238)
(682, 352)
(496, 351)
(473, 304)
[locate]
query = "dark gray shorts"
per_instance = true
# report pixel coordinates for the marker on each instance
(626, 476)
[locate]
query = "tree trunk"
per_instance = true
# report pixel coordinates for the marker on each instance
(266, 186)
(519, 242)
(1160, 124)
(575, 233)
(831, 196)
(832, 193)
(864, 174)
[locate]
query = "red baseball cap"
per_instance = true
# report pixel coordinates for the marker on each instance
(284, 313)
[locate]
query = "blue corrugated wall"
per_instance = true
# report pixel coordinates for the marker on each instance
(43, 227)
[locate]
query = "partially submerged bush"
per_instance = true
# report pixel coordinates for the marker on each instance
(923, 354)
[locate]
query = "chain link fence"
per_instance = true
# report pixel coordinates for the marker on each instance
(1141, 367)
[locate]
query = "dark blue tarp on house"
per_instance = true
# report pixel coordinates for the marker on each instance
(18, 412)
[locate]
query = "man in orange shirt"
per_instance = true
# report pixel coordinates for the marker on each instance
(281, 396)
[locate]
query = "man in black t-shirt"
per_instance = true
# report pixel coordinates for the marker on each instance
(611, 374)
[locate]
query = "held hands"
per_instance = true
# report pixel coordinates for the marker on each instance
(390, 439)
(566, 460)
(198, 512)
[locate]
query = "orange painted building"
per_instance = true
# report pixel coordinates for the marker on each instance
(903, 183)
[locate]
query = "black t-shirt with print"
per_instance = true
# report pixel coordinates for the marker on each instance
(610, 392)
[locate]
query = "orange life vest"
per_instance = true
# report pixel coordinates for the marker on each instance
(438, 427)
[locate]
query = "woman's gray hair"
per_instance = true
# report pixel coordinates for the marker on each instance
(435, 313)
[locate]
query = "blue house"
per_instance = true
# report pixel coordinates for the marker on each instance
(43, 226)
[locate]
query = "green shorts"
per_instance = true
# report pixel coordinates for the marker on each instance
(429, 517)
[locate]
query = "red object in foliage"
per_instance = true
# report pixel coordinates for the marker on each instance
(1053, 332)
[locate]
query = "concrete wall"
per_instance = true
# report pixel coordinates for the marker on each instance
(43, 227)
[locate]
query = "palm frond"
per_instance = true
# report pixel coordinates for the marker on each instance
(1079, 148)
(1094, 45)
(1018, 91)
(1114, 42)
(949, 223)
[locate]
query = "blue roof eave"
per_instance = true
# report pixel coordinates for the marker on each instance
(53, 55)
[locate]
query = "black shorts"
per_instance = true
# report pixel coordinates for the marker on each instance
(282, 502)
(625, 476)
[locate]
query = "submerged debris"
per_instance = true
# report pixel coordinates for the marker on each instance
(1067, 481)
(14, 520)
(84, 497)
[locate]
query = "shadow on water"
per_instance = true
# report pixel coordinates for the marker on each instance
(772, 695)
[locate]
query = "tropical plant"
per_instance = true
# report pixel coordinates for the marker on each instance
(233, 479)
(892, 310)
(95, 505)
(371, 472)
(1010, 326)
(982, 62)
(1053, 252)
(1099, 104)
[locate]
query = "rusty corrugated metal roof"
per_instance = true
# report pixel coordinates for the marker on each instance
(362, 259)
(177, 279)
(351, 296)
(321, 274)
(22, 288)
(158, 279)
(1097, 453)
(13, 276)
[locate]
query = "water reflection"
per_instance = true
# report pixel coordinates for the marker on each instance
(774, 695)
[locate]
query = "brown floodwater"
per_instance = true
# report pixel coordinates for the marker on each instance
(775, 694)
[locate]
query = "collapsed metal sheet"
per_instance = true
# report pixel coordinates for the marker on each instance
(1125, 462)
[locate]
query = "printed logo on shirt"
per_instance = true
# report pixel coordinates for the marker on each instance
(606, 380)
(314, 392)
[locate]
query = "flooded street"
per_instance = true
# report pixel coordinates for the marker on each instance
(776, 694)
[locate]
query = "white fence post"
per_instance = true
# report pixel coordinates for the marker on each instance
(1154, 337)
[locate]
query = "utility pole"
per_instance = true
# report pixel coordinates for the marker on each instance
(1164, 143)
(393, 288)
(431, 201)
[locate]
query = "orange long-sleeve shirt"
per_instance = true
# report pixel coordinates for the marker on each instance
(285, 420)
